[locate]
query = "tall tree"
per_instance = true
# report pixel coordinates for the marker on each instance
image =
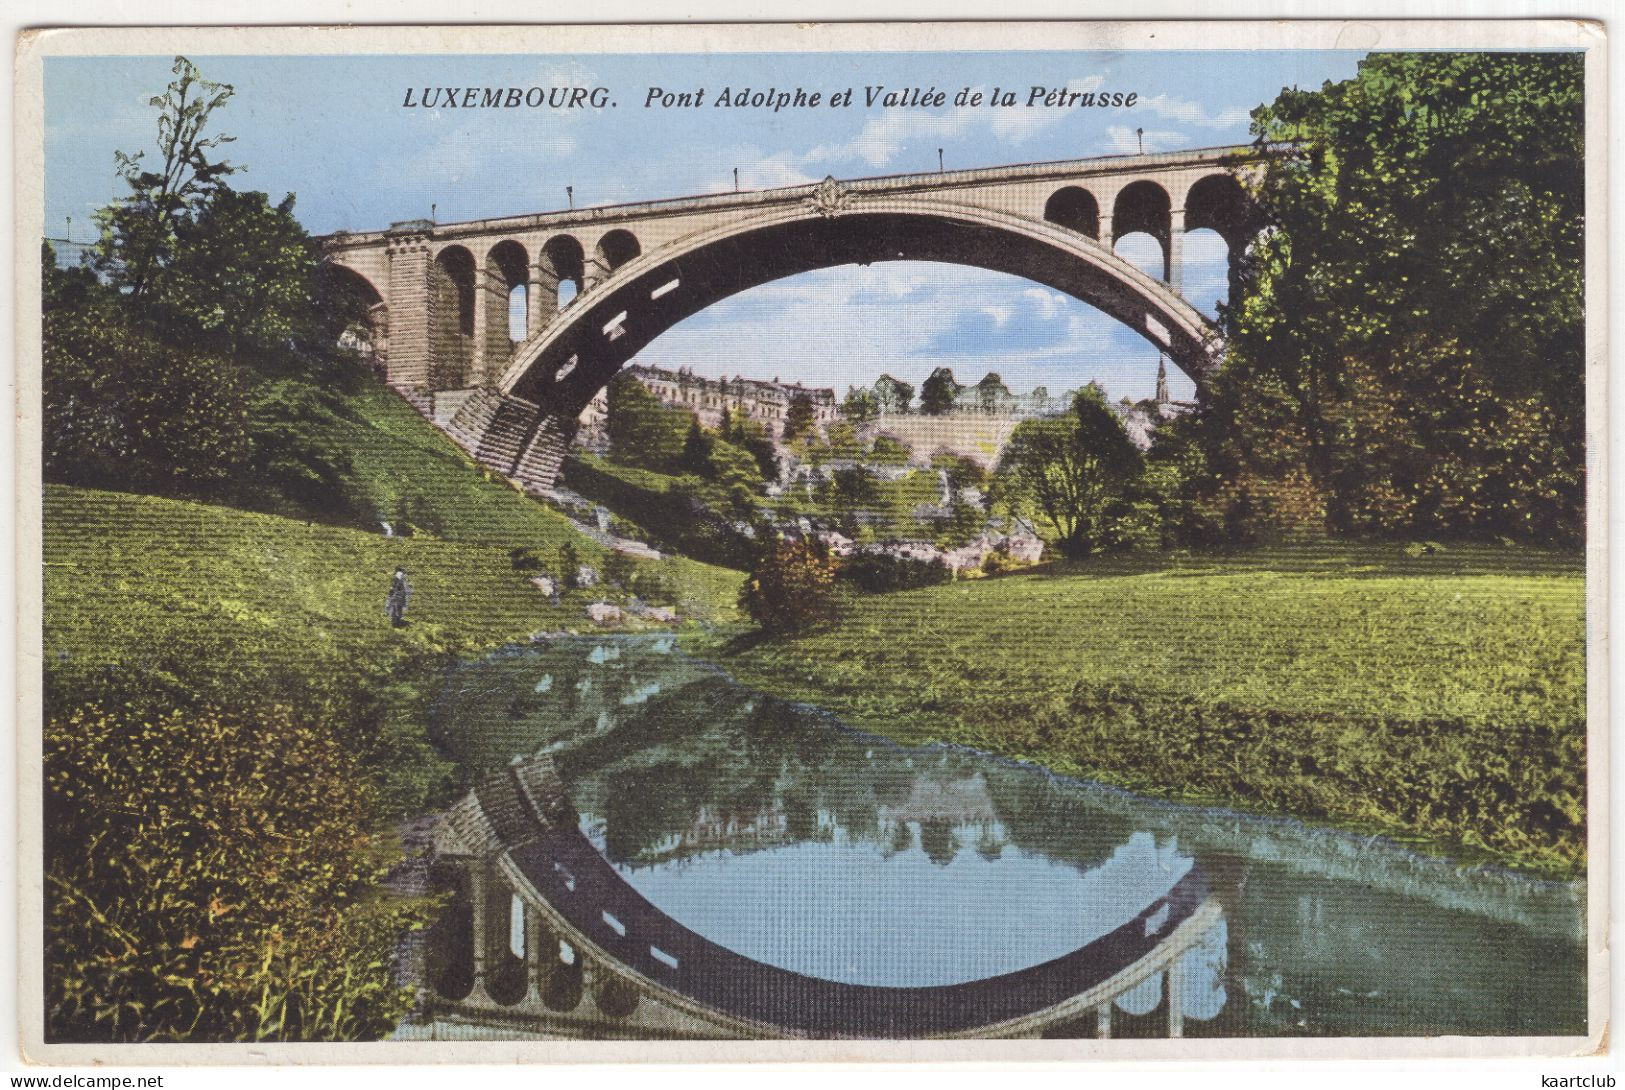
(798, 418)
(138, 233)
(990, 392)
(1422, 287)
(642, 431)
(893, 395)
(860, 405)
(939, 391)
(1062, 474)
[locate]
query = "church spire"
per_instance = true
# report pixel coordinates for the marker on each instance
(1162, 397)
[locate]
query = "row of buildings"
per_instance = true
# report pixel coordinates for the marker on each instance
(768, 403)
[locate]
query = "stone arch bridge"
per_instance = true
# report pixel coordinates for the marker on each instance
(598, 284)
(544, 937)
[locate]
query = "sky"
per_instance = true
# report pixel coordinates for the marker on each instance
(335, 132)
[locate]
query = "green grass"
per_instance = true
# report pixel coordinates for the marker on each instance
(132, 579)
(171, 602)
(1437, 696)
(398, 460)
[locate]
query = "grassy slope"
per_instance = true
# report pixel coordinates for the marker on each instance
(1439, 695)
(398, 456)
(160, 599)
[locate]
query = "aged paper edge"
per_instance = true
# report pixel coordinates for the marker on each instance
(35, 45)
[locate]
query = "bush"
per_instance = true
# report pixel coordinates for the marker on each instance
(209, 876)
(791, 589)
(877, 573)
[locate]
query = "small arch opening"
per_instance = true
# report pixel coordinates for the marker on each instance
(1075, 209)
(563, 268)
(617, 247)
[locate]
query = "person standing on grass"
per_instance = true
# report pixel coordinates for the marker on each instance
(400, 593)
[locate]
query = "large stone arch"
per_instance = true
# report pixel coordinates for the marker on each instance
(616, 248)
(1217, 202)
(350, 291)
(1145, 206)
(556, 374)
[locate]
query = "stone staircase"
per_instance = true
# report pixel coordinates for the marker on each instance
(504, 439)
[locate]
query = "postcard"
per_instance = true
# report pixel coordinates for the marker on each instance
(1026, 541)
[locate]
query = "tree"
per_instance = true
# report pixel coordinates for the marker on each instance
(642, 431)
(860, 405)
(893, 395)
(991, 392)
(851, 491)
(138, 234)
(1433, 213)
(798, 418)
(939, 392)
(888, 450)
(242, 273)
(1061, 475)
(791, 589)
(123, 409)
(696, 456)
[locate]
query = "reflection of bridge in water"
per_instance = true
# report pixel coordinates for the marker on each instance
(545, 937)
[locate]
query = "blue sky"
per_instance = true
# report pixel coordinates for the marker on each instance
(333, 130)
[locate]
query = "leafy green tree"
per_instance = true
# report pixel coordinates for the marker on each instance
(242, 273)
(642, 431)
(893, 395)
(798, 418)
(734, 466)
(696, 455)
(1423, 279)
(751, 438)
(860, 405)
(1062, 475)
(991, 392)
(888, 450)
(122, 409)
(138, 233)
(938, 393)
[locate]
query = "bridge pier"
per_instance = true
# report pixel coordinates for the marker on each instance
(1174, 259)
(406, 250)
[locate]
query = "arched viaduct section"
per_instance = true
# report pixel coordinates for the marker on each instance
(503, 330)
(544, 935)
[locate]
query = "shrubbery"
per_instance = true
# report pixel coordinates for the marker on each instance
(211, 876)
(878, 573)
(791, 589)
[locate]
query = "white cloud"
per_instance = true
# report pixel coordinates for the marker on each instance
(1194, 113)
(1046, 303)
(1015, 124)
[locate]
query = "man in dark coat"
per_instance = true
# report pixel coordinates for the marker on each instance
(400, 593)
